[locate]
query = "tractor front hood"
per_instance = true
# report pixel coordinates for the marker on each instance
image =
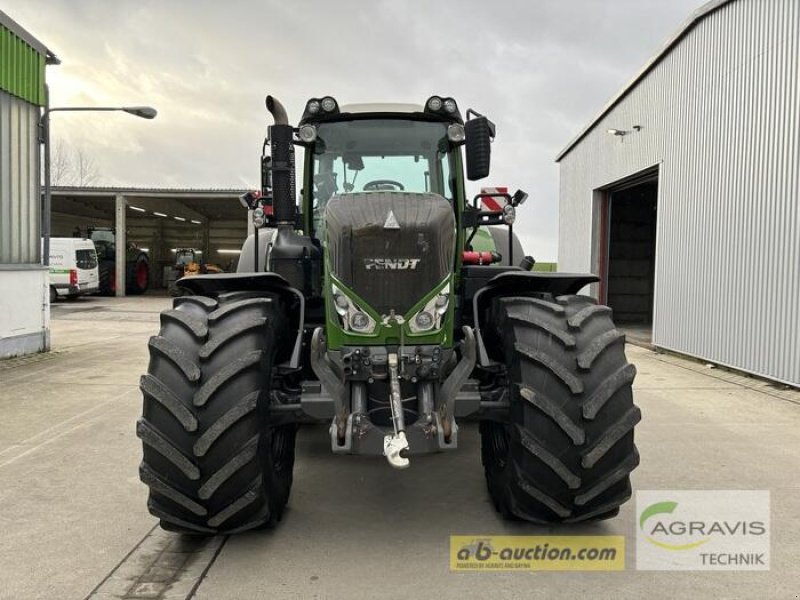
(390, 248)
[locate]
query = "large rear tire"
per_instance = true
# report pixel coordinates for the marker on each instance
(567, 453)
(138, 275)
(106, 278)
(211, 459)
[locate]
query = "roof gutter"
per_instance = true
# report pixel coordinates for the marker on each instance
(22, 33)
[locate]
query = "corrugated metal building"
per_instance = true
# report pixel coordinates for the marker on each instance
(24, 318)
(683, 192)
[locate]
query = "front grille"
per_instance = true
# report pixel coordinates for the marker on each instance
(390, 268)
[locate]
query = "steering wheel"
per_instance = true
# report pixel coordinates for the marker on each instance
(378, 184)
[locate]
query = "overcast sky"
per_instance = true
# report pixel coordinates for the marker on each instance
(541, 69)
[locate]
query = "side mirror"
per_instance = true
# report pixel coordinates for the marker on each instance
(479, 132)
(518, 198)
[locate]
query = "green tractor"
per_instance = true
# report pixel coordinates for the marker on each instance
(137, 263)
(370, 307)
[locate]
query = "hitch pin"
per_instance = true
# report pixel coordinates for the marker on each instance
(396, 446)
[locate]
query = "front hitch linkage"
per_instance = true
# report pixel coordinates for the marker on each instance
(395, 447)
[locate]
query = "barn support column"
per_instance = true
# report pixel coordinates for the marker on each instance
(158, 256)
(206, 242)
(121, 244)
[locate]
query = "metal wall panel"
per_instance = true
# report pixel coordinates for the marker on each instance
(720, 116)
(21, 67)
(20, 207)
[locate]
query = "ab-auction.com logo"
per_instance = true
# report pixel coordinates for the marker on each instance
(702, 530)
(537, 553)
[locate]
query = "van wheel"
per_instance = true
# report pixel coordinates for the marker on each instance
(53, 294)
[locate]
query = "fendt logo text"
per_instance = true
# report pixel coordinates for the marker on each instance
(391, 264)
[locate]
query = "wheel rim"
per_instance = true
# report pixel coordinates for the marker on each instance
(498, 445)
(280, 449)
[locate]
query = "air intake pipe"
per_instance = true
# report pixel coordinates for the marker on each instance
(282, 164)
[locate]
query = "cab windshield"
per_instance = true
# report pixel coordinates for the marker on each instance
(381, 155)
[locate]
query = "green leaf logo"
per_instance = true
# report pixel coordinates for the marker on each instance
(656, 509)
(660, 508)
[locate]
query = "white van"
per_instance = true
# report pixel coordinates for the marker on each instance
(73, 268)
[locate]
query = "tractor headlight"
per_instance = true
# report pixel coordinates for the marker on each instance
(431, 316)
(328, 104)
(351, 316)
(455, 133)
(259, 219)
(360, 321)
(509, 214)
(341, 302)
(435, 103)
(312, 107)
(442, 300)
(423, 321)
(307, 134)
(446, 107)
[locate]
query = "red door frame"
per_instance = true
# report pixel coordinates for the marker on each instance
(602, 250)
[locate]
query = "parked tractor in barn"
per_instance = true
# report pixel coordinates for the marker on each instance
(137, 263)
(369, 308)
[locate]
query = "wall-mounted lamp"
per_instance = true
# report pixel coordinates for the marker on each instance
(623, 132)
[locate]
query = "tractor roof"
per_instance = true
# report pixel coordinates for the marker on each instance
(317, 112)
(381, 107)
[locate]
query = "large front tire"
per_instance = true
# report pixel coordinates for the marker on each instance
(567, 452)
(211, 459)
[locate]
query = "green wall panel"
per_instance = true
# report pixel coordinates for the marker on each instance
(21, 68)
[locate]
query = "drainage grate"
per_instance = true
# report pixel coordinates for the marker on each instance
(21, 361)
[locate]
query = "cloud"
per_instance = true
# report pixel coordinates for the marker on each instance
(541, 70)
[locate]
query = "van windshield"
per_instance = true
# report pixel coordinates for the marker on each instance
(85, 259)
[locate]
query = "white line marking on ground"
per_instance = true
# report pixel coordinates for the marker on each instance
(24, 443)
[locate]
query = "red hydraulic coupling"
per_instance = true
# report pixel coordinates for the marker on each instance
(480, 258)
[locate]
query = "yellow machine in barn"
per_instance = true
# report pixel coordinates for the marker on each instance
(188, 264)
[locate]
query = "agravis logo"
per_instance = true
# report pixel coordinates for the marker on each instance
(703, 529)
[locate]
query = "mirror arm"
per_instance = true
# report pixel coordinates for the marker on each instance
(468, 243)
(477, 198)
(492, 128)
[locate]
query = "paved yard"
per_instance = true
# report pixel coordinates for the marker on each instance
(74, 521)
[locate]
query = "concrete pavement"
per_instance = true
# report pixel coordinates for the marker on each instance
(73, 515)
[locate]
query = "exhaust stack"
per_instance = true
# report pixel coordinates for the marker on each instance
(277, 110)
(292, 256)
(282, 165)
